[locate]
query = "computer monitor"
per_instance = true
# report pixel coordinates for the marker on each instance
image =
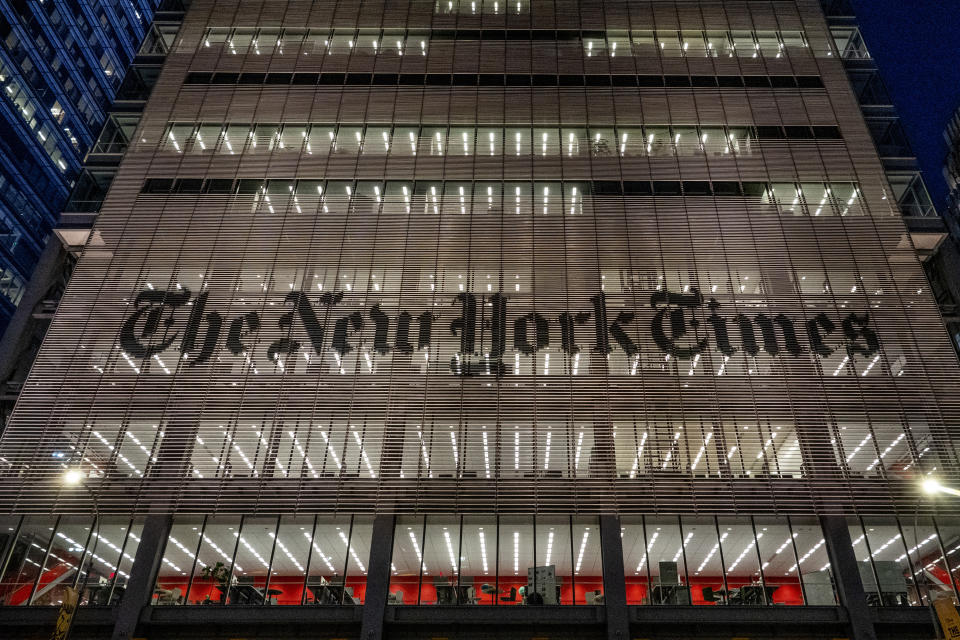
(668, 573)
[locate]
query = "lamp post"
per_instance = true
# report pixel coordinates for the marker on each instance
(74, 478)
(933, 488)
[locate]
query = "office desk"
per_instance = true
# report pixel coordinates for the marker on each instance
(271, 593)
(330, 594)
(454, 594)
(98, 594)
(751, 594)
(243, 594)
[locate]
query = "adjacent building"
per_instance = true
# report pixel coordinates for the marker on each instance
(929, 231)
(951, 254)
(951, 167)
(75, 75)
(526, 319)
(62, 65)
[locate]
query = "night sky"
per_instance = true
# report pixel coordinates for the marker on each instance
(916, 44)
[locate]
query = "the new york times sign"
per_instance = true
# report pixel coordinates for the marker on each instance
(683, 325)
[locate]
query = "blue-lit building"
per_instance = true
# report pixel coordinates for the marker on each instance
(62, 65)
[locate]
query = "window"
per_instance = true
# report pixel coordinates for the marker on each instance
(710, 561)
(47, 554)
(670, 44)
(206, 138)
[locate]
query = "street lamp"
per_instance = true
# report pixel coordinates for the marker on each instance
(932, 486)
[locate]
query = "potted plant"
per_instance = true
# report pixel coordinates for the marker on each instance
(220, 574)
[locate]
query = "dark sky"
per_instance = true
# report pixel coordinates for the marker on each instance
(916, 44)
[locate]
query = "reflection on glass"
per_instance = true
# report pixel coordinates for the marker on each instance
(213, 571)
(666, 556)
(775, 546)
(327, 564)
(407, 561)
(358, 548)
(516, 560)
(66, 554)
(587, 580)
(254, 544)
(812, 564)
(478, 557)
(110, 554)
(178, 561)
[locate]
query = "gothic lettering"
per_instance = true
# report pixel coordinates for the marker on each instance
(402, 343)
(856, 328)
(214, 322)
(237, 332)
(154, 304)
(426, 327)
(568, 321)
(678, 322)
(498, 326)
(382, 325)
(814, 325)
(719, 325)
(541, 332)
(341, 329)
(304, 310)
(466, 324)
(769, 333)
(150, 330)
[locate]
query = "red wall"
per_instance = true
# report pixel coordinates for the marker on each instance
(428, 592)
(788, 593)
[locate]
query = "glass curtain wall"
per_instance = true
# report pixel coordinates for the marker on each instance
(265, 560)
(363, 43)
(905, 562)
(478, 560)
(323, 140)
(711, 561)
(42, 556)
(485, 560)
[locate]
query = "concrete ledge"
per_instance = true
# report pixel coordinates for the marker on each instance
(738, 615)
(241, 615)
(509, 615)
(891, 616)
(47, 616)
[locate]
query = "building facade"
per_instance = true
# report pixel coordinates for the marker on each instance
(550, 318)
